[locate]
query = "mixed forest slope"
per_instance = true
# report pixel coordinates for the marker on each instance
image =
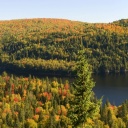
(51, 45)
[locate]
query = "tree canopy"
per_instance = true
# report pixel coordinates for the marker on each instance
(34, 43)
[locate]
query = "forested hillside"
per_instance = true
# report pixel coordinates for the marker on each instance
(30, 102)
(51, 45)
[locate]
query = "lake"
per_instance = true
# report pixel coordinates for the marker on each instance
(113, 87)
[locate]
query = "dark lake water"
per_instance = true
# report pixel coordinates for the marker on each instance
(113, 87)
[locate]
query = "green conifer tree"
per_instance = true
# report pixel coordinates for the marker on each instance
(104, 113)
(110, 120)
(84, 105)
(9, 119)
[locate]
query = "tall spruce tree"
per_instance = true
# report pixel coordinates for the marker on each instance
(84, 105)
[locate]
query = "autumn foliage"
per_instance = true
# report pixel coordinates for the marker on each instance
(50, 46)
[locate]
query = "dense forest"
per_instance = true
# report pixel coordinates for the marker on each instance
(40, 46)
(30, 102)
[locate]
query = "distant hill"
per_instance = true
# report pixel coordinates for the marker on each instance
(122, 22)
(51, 45)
